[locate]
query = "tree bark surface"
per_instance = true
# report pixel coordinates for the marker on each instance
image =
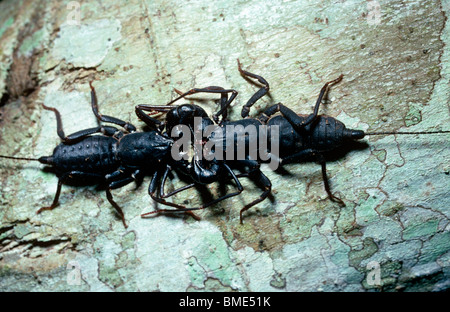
(393, 233)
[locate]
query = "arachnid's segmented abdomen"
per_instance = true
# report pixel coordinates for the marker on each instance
(94, 154)
(324, 134)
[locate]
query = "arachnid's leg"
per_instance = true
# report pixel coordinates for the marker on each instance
(161, 193)
(210, 89)
(186, 187)
(156, 124)
(183, 188)
(118, 179)
(122, 177)
(294, 119)
(180, 208)
(127, 126)
(260, 177)
(79, 135)
(152, 190)
(149, 121)
(327, 185)
(238, 185)
(59, 126)
(224, 101)
(163, 183)
(155, 108)
(234, 177)
(308, 153)
(259, 94)
(224, 104)
(56, 198)
(178, 190)
(63, 179)
(119, 183)
(256, 175)
(116, 206)
(322, 93)
(300, 156)
(78, 174)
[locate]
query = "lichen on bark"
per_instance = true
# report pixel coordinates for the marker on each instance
(394, 58)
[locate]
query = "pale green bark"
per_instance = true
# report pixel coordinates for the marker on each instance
(396, 76)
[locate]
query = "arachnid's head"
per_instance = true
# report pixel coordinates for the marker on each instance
(184, 115)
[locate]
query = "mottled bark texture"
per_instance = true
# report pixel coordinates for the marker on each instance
(392, 235)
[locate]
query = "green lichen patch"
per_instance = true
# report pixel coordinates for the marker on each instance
(196, 273)
(258, 232)
(5, 25)
(436, 246)
(356, 256)
(128, 240)
(110, 276)
(33, 42)
(414, 116)
(22, 229)
(390, 208)
(421, 229)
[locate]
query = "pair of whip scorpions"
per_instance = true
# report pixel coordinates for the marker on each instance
(113, 158)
